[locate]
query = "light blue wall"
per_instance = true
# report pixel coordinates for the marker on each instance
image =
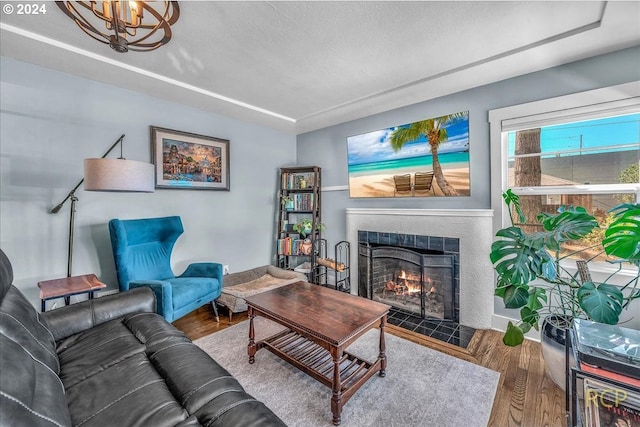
(51, 121)
(327, 147)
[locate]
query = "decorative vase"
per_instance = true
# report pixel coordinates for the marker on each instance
(305, 247)
(553, 336)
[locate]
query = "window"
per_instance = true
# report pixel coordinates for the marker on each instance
(581, 149)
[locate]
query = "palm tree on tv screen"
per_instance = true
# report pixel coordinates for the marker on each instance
(435, 131)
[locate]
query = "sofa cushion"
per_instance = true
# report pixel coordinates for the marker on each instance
(237, 409)
(22, 324)
(193, 377)
(31, 394)
(116, 359)
(94, 350)
(128, 393)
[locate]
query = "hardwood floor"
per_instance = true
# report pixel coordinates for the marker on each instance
(525, 396)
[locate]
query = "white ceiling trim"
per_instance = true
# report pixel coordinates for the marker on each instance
(569, 33)
(88, 54)
(327, 63)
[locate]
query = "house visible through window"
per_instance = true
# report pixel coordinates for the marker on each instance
(583, 156)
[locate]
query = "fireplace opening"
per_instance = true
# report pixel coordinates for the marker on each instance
(413, 280)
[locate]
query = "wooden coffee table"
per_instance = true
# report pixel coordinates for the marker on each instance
(321, 323)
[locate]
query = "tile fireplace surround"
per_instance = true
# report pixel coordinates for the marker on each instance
(472, 226)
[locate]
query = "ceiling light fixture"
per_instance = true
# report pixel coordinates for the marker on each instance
(130, 25)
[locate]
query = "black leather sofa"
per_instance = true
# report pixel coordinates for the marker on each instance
(110, 361)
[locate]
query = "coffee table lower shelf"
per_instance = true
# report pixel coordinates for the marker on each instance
(317, 361)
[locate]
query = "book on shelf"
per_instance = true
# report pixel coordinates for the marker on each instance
(298, 181)
(303, 202)
(610, 405)
(290, 246)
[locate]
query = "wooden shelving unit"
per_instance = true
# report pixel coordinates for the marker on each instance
(298, 199)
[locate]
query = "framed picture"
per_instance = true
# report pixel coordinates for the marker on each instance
(427, 158)
(185, 160)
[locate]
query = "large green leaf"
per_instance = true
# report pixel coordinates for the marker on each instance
(513, 257)
(622, 238)
(513, 336)
(512, 199)
(529, 317)
(570, 223)
(515, 297)
(537, 296)
(602, 303)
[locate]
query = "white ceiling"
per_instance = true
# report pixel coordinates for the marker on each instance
(303, 65)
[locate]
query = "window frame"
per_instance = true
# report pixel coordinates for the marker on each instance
(593, 104)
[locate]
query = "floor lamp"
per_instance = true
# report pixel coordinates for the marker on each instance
(108, 175)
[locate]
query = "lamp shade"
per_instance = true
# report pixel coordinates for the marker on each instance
(118, 175)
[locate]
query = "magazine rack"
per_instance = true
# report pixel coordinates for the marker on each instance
(603, 385)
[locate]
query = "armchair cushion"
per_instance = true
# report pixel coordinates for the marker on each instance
(189, 289)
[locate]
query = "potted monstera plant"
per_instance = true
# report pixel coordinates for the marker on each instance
(532, 274)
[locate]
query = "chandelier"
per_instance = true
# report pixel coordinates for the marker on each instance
(129, 25)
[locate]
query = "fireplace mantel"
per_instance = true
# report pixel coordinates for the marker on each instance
(422, 212)
(472, 226)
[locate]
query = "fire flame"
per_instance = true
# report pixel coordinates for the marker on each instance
(409, 284)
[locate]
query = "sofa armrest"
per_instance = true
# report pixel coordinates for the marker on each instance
(163, 293)
(71, 319)
(204, 269)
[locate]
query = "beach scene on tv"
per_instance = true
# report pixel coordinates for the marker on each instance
(426, 158)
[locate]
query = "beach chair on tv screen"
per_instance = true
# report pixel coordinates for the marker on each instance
(402, 184)
(423, 182)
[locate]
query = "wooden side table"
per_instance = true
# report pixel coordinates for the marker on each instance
(67, 287)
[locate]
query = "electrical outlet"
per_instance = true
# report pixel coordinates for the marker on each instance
(225, 269)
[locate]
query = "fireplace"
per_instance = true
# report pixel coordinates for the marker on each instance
(412, 273)
(464, 233)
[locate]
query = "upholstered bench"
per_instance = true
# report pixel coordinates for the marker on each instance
(238, 286)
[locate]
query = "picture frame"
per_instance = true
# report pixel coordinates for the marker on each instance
(185, 160)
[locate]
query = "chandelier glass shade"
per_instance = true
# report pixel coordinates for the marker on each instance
(125, 25)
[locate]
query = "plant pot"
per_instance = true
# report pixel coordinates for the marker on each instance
(552, 340)
(305, 231)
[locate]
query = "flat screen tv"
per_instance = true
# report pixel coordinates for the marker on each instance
(427, 158)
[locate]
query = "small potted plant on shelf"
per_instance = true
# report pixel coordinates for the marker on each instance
(304, 225)
(532, 274)
(287, 203)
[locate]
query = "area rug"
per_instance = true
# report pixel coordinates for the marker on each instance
(423, 387)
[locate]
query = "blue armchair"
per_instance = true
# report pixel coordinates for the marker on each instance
(142, 253)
